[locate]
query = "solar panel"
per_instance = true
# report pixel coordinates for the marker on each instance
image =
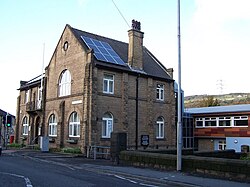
(103, 51)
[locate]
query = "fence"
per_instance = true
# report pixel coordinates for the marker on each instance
(94, 151)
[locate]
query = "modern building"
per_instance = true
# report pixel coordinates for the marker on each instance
(222, 127)
(93, 86)
(187, 121)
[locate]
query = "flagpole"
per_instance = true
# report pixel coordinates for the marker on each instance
(42, 67)
(179, 123)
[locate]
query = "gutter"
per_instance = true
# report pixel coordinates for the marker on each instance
(137, 111)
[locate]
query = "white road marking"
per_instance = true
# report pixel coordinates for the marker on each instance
(28, 183)
(120, 177)
(89, 167)
(52, 162)
(134, 182)
(26, 179)
(123, 178)
(150, 185)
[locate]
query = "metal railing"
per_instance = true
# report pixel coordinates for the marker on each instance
(33, 106)
(94, 151)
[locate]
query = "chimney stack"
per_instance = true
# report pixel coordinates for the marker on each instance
(135, 46)
(170, 72)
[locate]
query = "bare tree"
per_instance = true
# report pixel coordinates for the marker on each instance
(209, 101)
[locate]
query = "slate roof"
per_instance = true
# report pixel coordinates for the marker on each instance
(31, 83)
(4, 113)
(219, 109)
(151, 65)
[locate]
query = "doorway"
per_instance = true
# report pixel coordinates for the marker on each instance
(37, 128)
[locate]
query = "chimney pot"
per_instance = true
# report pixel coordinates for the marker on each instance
(135, 47)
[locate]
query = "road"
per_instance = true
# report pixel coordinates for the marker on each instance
(20, 170)
(31, 168)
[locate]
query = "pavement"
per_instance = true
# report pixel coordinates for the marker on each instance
(107, 167)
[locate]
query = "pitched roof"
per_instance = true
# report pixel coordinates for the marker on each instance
(31, 83)
(219, 109)
(4, 113)
(151, 65)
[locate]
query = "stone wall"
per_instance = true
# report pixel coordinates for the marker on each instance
(122, 105)
(230, 169)
(73, 59)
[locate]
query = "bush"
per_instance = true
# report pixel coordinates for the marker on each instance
(72, 150)
(245, 157)
(36, 147)
(55, 150)
(15, 145)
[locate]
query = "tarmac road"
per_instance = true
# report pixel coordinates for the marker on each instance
(103, 172)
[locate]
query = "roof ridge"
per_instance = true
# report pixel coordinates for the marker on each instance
(98, 35)
(36, 77)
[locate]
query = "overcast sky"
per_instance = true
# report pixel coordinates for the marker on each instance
(215, 38)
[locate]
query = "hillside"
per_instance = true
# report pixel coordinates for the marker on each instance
(223, 100)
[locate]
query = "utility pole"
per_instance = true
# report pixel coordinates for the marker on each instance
(179, 123)
(5, 131)
(1, 125)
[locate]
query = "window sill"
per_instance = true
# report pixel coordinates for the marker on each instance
(52, 136)
(74, 137)
(161, 101)
(108, 93)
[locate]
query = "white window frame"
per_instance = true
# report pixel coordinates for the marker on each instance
(107, 125)
(199, 120)
(209, 121)
(233, 120)
(239, 118)
(222, 145)
(52, 125)
(25, 126)
(160, 92)
(27, 94)
(160, 128)
(108, 84)
(74, 125)
(224, 120)
(65, 84)
(39, 98)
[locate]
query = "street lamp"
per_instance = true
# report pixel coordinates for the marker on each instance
(179, 123)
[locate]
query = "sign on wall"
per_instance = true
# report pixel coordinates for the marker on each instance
(144, 140)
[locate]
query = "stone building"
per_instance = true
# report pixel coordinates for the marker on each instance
(95, 85)
(30, 111)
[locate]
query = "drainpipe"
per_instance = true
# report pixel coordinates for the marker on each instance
(136, 112)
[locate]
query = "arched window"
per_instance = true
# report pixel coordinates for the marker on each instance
(52, 125)
(25, 126)
(65, 83)
(107, 125)
(74, 125)
(160, 128)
